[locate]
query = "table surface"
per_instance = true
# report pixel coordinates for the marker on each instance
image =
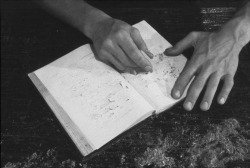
(31, 135)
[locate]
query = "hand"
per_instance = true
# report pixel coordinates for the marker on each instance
(118, 43)
(215, 58)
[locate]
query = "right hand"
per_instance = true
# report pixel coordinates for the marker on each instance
(215, 58)
(118, 43)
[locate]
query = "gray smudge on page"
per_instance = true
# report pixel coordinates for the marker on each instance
(165, 72)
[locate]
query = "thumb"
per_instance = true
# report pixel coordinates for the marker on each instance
(185, 43)
(136, 36)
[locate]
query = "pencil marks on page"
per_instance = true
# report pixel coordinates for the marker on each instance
(102, 106)
(165, 72)
(96, 97)
(156, 86)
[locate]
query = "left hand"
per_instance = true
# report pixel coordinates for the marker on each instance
(215, 58)
(120, 44)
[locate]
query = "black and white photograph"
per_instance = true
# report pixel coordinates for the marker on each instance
(125, 83)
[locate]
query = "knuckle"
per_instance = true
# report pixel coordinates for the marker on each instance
(102, 56)
(209, 67)
(212, 62)
(136, 57)
(195, 92)
(219, 73)
(231, 83)
(213, 84)
(120, 34)
(192, 96)
(121, 24)
(200, 83)
(193, 33)
(107, 42)
(134, 30)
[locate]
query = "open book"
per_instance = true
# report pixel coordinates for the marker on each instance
(95, 103)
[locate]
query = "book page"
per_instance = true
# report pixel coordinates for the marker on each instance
(100, 102)
(156, 87)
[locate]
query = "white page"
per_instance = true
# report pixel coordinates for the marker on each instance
(96, 97)
(156, 87)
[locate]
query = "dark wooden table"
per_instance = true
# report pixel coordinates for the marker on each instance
(31, 136)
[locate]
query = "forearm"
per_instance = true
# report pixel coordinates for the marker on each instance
(239, 25)
(75, 12)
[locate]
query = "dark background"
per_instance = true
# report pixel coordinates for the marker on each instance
(31, 38)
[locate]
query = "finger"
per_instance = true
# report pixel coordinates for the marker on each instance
(109, 58)
(210, 91)
(227, 87)
(184, 79)
(185, 43)
(136, 36)
(130, 70)
(118, 53)
(134, 70)
(117, 63)
(195, 89)
(133, 52)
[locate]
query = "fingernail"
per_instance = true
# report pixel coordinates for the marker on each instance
(167, 50)
(131, 71)
(134, 72)
(149, 54)
(188, 106)
(204, 106)
(177, 94)
(148, 69)
(222, 100)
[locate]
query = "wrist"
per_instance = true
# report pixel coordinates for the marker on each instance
(95, 18)
(241, 25)
(99, 26)
(239, 28)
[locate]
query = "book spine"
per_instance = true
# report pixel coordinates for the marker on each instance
(73, 131)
